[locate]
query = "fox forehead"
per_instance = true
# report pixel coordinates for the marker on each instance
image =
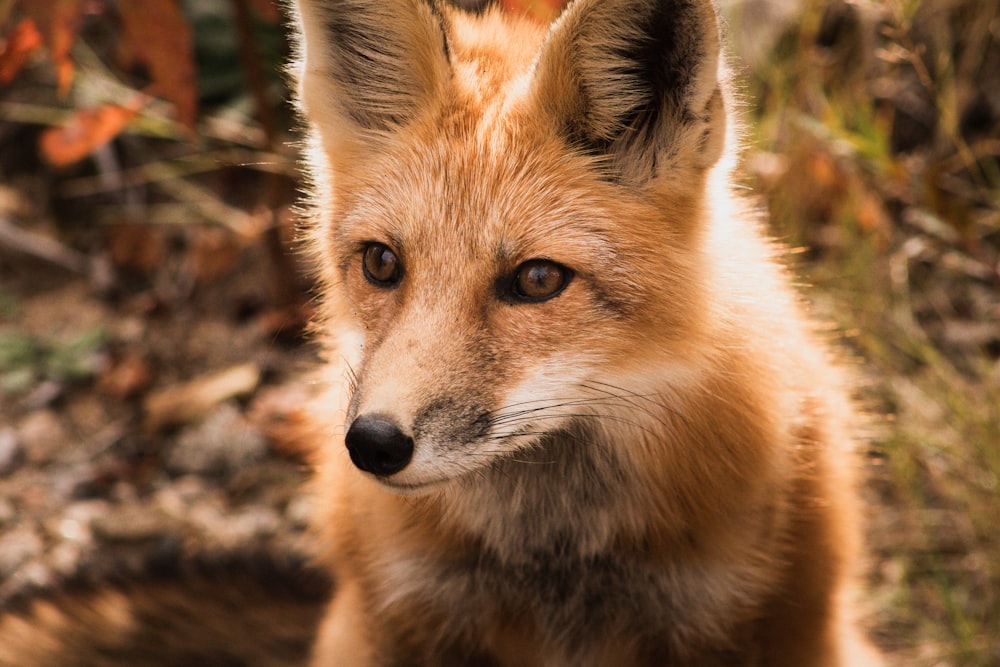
(503, 200)
(479, 174)
(484, 177)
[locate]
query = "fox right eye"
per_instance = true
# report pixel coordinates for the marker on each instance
(535, 280)
(380, 265)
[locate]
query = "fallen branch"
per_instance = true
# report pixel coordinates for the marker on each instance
(41, 247)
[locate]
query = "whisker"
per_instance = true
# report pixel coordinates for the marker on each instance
(627, 395)
(503, 418)
(352, 377)
(575, 415)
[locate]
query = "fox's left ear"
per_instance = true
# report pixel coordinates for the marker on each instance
(364, 68)
(635, 82)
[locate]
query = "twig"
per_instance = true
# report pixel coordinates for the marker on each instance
(41, 247)
(283, 283)
(182, 167)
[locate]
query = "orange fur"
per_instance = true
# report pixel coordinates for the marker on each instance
(651, 465)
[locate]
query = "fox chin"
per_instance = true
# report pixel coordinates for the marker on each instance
(576, 415)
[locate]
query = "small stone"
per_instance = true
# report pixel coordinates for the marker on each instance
(75, 524)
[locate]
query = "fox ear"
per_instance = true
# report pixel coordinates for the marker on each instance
(365, 67)
(635, 82)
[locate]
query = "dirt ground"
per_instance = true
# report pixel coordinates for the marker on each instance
(146, 428)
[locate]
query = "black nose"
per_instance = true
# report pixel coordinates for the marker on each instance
(376, 445)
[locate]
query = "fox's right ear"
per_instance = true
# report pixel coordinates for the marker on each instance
(365, 67)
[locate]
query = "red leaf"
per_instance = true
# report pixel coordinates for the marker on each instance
(21, 41)
(58, 21)
(158, 36)
(136, 248)
(267, 10)
(86, 131)
(126, 377)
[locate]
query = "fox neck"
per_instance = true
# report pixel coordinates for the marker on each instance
(568, 498)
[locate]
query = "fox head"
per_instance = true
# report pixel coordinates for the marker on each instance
(506, 218)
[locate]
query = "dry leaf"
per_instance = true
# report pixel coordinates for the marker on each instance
(184, 403)
(871, 214)
(86, 131)
(213, 253)
(21, 41)
(284, 323)
(138, 248)
(126, 377)
(158, 36)
(58, 21)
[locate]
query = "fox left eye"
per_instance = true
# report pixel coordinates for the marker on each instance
(539, 280)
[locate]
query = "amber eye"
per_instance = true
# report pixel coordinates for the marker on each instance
(380, 265)
(539, 279)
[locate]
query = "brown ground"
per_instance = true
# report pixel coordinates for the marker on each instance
(114, 449)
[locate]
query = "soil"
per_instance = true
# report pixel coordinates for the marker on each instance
(165, 442)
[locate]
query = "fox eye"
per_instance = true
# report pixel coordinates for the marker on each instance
(380, 265)
(539, 279)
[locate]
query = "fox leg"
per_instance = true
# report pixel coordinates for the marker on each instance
(343, 639)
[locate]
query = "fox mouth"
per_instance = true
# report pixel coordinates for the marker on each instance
(412, 488)
(450, 443)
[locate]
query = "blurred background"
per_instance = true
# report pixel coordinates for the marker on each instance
(152, 304)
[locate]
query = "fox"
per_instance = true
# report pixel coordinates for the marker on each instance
(577, 412)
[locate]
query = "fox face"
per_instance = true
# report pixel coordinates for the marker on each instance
(507, 226)
(479, 313)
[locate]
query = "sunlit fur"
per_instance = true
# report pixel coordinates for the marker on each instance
(653, 467)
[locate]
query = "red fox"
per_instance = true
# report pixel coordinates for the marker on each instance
(578, 416)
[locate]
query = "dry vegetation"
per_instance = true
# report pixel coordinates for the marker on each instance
(877, 139)
(874, 138)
